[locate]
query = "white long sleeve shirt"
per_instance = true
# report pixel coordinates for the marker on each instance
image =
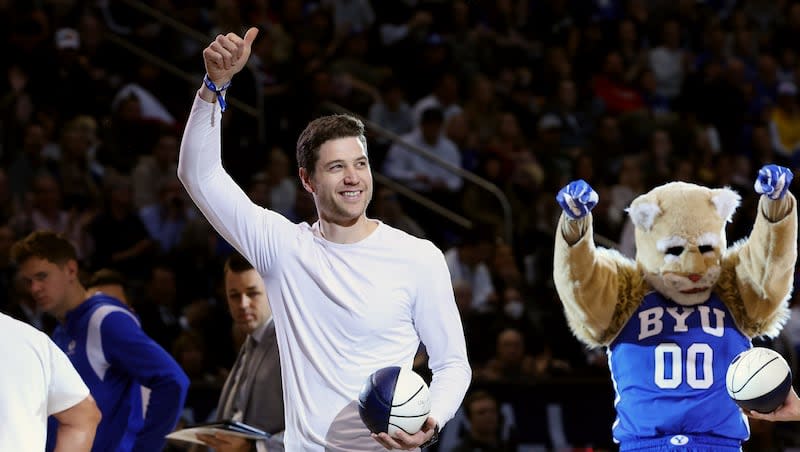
(341, 311)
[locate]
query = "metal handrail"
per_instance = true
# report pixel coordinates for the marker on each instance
(468, 175)
(165, 19)
(255, 112)
(174, 70)
(424, 201)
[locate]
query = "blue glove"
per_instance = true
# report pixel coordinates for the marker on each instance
(773, 181)
(577, 199)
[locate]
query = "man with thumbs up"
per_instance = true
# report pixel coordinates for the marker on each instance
(349, 295)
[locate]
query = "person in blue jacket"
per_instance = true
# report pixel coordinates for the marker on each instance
(104, 341)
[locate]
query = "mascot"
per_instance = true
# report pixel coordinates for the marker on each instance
(673, 319)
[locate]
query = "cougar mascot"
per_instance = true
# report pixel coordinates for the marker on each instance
(674, 319)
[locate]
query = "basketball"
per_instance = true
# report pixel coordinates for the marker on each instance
(394, 399)
(759, 379)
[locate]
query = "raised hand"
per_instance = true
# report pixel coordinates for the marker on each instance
(577, 199)
(227, 55)
(773, 181)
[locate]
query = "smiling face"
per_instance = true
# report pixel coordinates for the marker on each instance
(341, 182)
(247, 299)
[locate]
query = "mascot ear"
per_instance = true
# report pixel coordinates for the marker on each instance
(644, 213)
(726, 201)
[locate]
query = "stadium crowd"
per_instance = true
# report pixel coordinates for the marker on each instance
(528, 94)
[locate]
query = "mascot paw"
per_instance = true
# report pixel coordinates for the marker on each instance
(577, 199)
(773, 181)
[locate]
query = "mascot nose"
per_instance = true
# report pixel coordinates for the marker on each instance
(694, 277)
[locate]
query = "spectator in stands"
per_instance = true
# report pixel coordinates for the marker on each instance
(391, 111)
(504, 267)
(575, 123)
(444, 97)
(466, 141)
(387, 207)
(669, 61)
(513, 311)
(468, 262)
(610, 87)
(109, 282)
(481, 109)
(29, 160)
(154, 168)
(9, 205)
(158, 309)
(507, 143)
(166, 219)
(351, 15)
(121, 240)
(416, 171)
(785, 122)
(483, 414)
(482, 206)
(510, 362)
(282, 185)
(189, 350)
(48, 214)
(79, 173)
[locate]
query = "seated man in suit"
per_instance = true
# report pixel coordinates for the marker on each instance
(252, 393)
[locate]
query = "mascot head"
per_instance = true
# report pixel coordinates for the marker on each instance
(680, 238)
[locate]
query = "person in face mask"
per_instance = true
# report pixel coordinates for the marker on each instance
(513, 307)
(517, 312)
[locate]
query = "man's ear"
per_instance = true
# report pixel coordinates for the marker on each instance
(305, 179)
(72, 268)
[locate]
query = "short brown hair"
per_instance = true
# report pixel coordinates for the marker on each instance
(106, 277)
(236, 263)
(476, 397)
(44, 245)
(324, 129)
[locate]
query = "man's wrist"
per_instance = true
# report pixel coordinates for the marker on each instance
(207, 95)
(433, 439)
(218, 89)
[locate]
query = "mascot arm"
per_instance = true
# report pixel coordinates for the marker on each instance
(764, 265)
(587, 279)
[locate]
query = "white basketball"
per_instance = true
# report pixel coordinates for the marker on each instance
(394, 399)
(411, 403)
(759, 379)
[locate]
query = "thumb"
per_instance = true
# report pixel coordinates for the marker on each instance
(250, 36)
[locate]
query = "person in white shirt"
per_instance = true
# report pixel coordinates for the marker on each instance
(443, 97)
(418, 172)
(467, 262)
(40, 381)
(349, 295)
(668, 61)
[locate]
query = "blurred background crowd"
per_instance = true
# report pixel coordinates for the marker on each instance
(527, 94)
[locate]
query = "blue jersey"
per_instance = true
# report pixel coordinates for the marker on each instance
(104, 342)
(668, 365)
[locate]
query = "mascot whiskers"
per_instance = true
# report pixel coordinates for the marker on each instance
(674, 318)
